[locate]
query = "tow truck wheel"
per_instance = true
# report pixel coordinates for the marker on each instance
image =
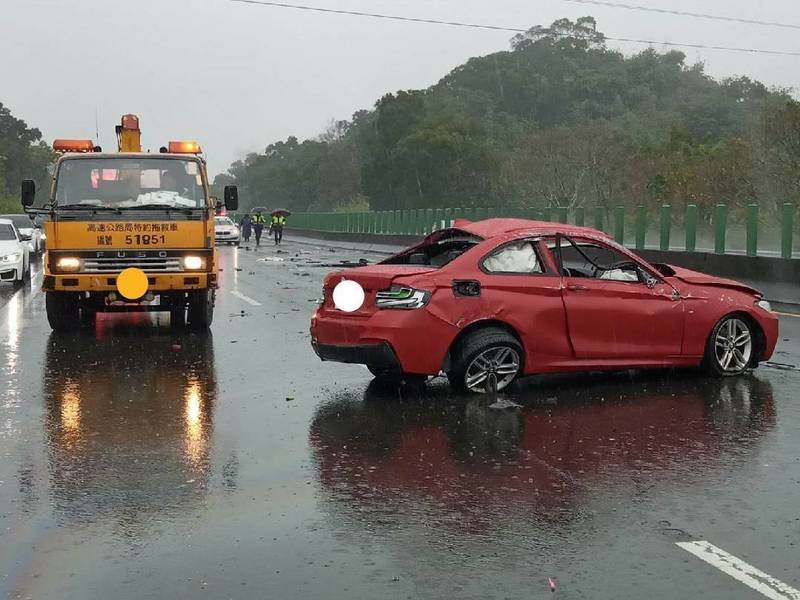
(177, 311)
(63, 312)
(201, 309)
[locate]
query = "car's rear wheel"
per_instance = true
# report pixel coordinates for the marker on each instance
(730, 348)
(487, 360)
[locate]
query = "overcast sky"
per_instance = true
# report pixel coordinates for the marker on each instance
(237, 77)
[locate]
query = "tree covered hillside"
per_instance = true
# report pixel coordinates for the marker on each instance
(23, 155)
(559, 119)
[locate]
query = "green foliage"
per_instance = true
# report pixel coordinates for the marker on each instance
(22, 156)
(559, 120)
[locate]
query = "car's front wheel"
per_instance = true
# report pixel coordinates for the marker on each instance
(486, 360)
(730, 348)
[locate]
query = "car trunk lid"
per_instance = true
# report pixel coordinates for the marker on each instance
(373, 278)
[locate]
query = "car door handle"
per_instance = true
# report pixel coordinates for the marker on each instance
(576, 287)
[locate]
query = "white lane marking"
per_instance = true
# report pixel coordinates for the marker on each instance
(741, 571)
(247, 299)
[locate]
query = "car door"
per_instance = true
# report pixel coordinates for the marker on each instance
(616, 307)
(519, 288)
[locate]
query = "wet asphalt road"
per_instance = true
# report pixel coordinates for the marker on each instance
(136, 462)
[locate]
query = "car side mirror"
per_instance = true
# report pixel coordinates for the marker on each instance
(231, 197)
(25, 237)
(28, 192)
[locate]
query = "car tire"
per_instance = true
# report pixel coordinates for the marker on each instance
(731, 347)
(201, 309)
(486, 358)
(63, 311)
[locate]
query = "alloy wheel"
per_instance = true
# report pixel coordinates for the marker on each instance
(733, 346)
(492, 370)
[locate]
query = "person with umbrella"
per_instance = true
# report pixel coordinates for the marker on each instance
(258, 220)
(277, 223)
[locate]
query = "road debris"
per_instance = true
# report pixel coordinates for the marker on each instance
(504, 404)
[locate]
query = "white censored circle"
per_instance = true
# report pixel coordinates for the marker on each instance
(348, 295)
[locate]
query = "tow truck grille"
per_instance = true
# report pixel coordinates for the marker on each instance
(114, 264)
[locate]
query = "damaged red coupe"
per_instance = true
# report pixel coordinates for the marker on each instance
(491, 301)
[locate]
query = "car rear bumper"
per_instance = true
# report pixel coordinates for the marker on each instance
(107, 282)
(414, 341)
(378, 355)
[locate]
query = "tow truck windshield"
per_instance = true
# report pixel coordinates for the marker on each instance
(129, 183)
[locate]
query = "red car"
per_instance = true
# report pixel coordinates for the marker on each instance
(490, 301)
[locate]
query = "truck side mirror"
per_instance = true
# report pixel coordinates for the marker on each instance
(231, 197)
(28, 192)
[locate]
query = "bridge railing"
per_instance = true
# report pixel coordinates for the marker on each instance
(715, 231)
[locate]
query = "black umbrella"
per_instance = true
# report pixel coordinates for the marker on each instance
(281, 211)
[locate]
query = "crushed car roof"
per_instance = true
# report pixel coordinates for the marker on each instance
(494, 227)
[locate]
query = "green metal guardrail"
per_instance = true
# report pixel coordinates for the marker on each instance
(422, 221)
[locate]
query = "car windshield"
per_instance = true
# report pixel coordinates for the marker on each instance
(7, 232)
(129, 183)
(21, 221)
(225, 221)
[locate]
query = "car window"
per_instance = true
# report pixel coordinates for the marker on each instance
(7, 232)
(517, 257)
(593, 260)
(21, 221)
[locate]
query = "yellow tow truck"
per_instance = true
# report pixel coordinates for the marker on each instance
(129, 231)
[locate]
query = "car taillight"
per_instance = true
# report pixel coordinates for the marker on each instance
(402, 297)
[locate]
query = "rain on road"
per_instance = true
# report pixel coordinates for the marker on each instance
(140, 462)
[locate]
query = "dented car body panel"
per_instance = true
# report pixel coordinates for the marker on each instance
(568, 313)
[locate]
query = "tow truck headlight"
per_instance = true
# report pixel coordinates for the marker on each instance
(402, 297)
(763, 304)
(194, 263)
(68, 263)
(13, 257)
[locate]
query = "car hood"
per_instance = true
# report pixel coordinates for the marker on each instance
(9, 246)
(697, 278)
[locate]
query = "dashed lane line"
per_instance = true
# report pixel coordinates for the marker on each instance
(744, 573)
(787, 314)
(247, 299)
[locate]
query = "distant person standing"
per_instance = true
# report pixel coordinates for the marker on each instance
(276, 227)
(258, 221)
(247, 228)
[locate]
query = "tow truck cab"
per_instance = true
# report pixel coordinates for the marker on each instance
(129, 231)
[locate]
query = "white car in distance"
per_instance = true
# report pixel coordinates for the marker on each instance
(15, 265)
(226, 231)
(30, 230)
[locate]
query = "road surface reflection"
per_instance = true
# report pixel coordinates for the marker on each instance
(574, 444)
(129, 423)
